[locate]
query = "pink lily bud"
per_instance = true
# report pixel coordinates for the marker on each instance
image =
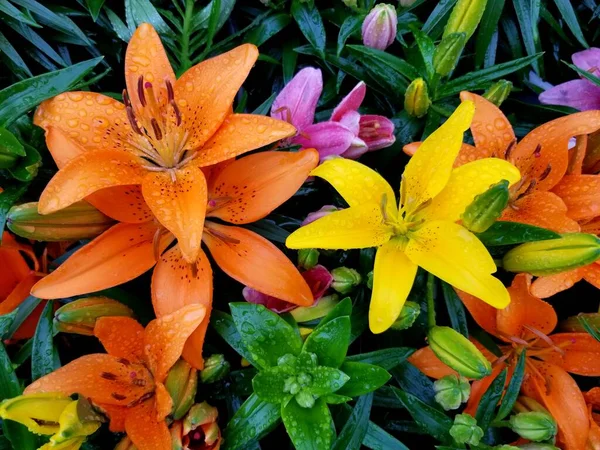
(379, 27)
(376, 131)
(327, 209)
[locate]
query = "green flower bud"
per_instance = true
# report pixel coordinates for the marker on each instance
(308, 258)
(321, 309)
(465, 17)
(215, 368)
(370, 280)
(345, 279)
(486, 208)
(10, 149)
(409, 313)
(199, 414)
(80, 316)
(416, 98)
(448, 53)
(553, 255)
(78, 221)
(534, 426)
(458, 353)
(451, 391)
(182, 383)
(498, 92)
(465, 430)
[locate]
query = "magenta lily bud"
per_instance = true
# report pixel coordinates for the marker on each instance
(376, 131)
(379, 27)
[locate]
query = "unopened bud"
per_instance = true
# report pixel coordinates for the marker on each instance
(458, 353)
(553, 255)
(451, 391)
(534, 426)
(416, 98)
(486, 208)
(203, 416)
(321, 309)
(345, 279)
(409, 313)
(40, 413)
(498, 92)
(215, 368)
(125, 444)
(78, 221)
(370, 280)
(448, 53)
(465, 430)
(379, 27)
(79, 316)
(10, 149)
(465, 17)
(182, 383)
(308, 258)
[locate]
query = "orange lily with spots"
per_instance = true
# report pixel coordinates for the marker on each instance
(525, 325)
(127, 383)
(542, 157)
(592, 397)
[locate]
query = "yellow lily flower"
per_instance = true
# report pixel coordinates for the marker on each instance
(420, 232)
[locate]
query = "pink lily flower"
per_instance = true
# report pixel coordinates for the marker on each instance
(580, 94)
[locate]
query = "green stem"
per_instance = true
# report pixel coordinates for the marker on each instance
(430, 302)
(185, 38)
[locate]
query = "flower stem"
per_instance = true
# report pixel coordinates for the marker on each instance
(185, 36)
(430, 303)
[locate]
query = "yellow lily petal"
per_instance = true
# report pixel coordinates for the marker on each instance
(70, 444)
(38, 412)
(393, 277)
(465, 183)
(429, 169)
(452, 253)
(357, 183)
(357, 227)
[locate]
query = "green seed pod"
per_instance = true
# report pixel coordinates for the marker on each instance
(486, 208)
(465, 17)
(498, 92)
(408, 315)
(458, 353)
(215, 368)
(448, 53)
(79, 316)
(553, 255)
(345, 279)
(182, 383)
(451, 391)
(465, 430)
(534, 426)
(416, 98)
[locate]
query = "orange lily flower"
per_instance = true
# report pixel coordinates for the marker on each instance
(542, 157)
(525, 325)
(127, 383)
(592, 397)
(158, 139)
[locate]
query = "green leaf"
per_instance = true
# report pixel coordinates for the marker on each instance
(426, 49)
(13, 59)
(213, 23)
(8, 197)
(350, 26)
(529, 28)
(225, 326)
(330, 342)
(42, 353)
(143, 11)
(10, 149)
(14, 12)
(415, 382)
(489, 400)
(364, 378)
(439, 13)
(456, 310)
(121, 30)
(27, 167)
(343, 308)
(326, 380)
(585, 74)
(487, 27)
(336, 399)
(94, 6)
(20, 97)
(398, 65)
(38, 42)
(355, 429)
(6, 321)
(308, 428)
(201, 19)
(268, 28)
(512, 391)
(377, 438)
(387, 358)
(266, 335)
(289, 60)
(308, 18)
(589, 327)
(251, 422)
(568, 15)
(269, 383)
(509, 233)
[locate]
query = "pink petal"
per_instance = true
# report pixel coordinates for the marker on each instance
(351, 120)
(376, 131)
(274, 304)
(297, 101)
(356, 150)
(319, 279)
(350, 102)
(329, 138)
(579, 94)
(311, 217)
(588, 60)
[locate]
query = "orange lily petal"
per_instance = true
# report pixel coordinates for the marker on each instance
(62, 147)
(425, 360)
(255, 262)
(467, 153)
(144, 430)
(120, 254)
(146, 57)
(591, 162)
(179, 205)
(121, 337)
(593, 397)
(525, 310)
(205, 92)
(174, 285)
(479, 387)
(253, 186)
(484, 314)
(577, 155)
(591, 274)
(19, 293)
(101, 377)
(14, 267)
(581, 353)
(490, 128)
(116, 414)
(87, 174)
(163, 402)
(594, 436)
(545, 287)
(239, 134)
(542, 209)
(559, 393)
(93, 120)
(29, 325)
(581, 194)
(165, 337)
(593, 227)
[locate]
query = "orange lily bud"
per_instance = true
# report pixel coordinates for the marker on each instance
(80, 316)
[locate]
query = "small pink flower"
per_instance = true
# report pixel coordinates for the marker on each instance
(380, 26)
(327, 209)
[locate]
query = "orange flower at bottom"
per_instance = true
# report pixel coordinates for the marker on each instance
(524, 325)
(127, 383)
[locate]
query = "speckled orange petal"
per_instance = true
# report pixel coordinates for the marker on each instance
(525, 310)
(425, 360)
(593, 397)
(87, 174)
(254, 261)
(14, 267)
(545, 287)
(179, 205)
(591, 274)
(542, 209)
(592, 227)
(121, 337)
(116, 414)
(577, 155)
(62, 147)
(490, 128)
(19, 293)
(591, 162)
(163, 402)
(95, 121)
(205, 92)
(553, 137)
(120, 254)
(144, 430)
(484, 314)
(467, 153)
(581, 353)
(101, 377)
(239, 134)
(165, 337)
(559, 393)
(479, 387)
(174, 285)
(253, 186)
(581, 194)
(146, 57)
